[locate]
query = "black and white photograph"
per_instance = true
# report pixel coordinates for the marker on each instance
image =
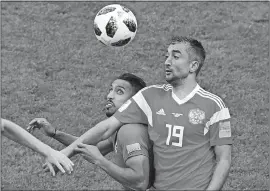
(134, 95)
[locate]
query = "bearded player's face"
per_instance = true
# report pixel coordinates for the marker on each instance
(119, 92)
(177, 63)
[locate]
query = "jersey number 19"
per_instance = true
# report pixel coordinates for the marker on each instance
(176, 131)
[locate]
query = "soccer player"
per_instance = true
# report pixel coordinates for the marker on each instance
(19, 135)
(189, 126)
(131, 143)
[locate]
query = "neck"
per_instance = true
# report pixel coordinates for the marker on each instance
(184, 87)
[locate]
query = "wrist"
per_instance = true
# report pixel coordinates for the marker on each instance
(46, 151)
(54, 133)
(67, 151)
(100, 161)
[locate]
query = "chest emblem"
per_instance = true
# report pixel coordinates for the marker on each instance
(196, 116)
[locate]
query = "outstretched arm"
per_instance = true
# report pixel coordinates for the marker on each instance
(105, 146)
(19, 135)
(66, 139)
(50, 131)
(103, 130)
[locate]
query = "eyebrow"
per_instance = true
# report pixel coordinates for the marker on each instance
(176, 51)
(120, 87)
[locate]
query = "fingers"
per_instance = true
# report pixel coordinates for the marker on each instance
(33, 124)
(81, 145)
(33, 121)
(68, 165)
(46, 168)
(60, 167)
(30, 129)
(38, 121)
(79, 150)
(51, 168)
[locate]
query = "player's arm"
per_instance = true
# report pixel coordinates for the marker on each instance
(66, 139)
(19, 135)
(133, 145)
(221, 140)
(50, 131)
(135, 176)
(133, 142)
(223, 157)
(102, 131)
(105, 146)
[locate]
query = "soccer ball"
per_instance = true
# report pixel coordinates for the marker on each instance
(115, 25)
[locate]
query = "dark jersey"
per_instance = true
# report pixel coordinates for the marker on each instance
(132, 140)
(183, 133)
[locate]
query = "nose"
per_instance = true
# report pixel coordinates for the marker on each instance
(110, 95)
(168, 61)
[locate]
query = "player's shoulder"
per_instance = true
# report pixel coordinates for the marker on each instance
(156, 89)
(210, 98)
(129, 129)
(133, 133)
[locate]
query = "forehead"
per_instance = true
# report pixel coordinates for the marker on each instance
(178, 46)
(122, 83)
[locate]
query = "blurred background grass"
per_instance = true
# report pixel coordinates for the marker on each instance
(53, 67)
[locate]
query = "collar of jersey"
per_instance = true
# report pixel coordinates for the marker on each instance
(188, 97)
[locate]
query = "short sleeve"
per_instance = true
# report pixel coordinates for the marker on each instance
(135, 110)
(134, 140)
(220, 128)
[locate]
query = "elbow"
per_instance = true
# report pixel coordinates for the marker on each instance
(142, 186)
(142, 183)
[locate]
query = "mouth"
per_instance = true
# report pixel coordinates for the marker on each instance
(167, 71)
(109, 104)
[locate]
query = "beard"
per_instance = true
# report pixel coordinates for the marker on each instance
(176, 80)
(110, 111)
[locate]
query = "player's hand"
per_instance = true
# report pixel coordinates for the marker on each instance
(61, 161)
(90, 152)
(41, 123)
(46, 166)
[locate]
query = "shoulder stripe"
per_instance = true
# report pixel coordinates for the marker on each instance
(213, 97)
(221, 115)
(142, 103)
(165, 87)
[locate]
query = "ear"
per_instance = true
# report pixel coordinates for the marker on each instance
(194, 65)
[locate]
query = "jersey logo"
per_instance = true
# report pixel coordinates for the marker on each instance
(124, 106)
(196, 116)
(225, 129)
(133, 147)
(161, 112)
(177, 114)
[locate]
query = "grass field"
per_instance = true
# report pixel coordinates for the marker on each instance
(53, 67)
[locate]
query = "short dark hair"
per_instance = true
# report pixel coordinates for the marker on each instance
(195, 46)
(136, 82)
